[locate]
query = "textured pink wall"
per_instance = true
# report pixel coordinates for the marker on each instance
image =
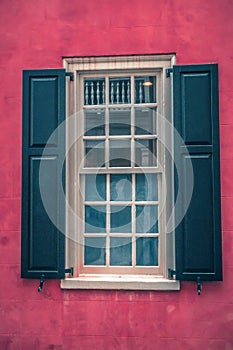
(36, 34)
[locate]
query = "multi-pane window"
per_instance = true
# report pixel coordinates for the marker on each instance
(121, 173)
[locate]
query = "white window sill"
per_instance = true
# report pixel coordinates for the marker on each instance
(120, 282)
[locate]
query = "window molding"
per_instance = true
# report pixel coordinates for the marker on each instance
(121, 282)
(98, 65)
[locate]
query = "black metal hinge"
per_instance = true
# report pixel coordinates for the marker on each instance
(71, 75)
(70, 270)
(42, 279)
(168, 72)
(171, 273)
(199, 285)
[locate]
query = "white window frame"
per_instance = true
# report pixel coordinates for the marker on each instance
(84, 66)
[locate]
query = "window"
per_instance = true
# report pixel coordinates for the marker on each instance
(120, 173)
(131, 217)
(120, 166)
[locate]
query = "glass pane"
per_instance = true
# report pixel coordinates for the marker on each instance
(120, 252)
(94, 120)
(94, 91)
(119, 121)
(147, 251)
(95, 219)
(120, 187)
(119, 90)
(120, 155)
(95, 187)
(145, 121)
(147, 219)
(145, 89)
(145, 153)
(94, 154)
(120, 219)
(95, 251)
(146, 187)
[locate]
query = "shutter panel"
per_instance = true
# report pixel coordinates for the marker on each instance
(198, 235)
(43, 111)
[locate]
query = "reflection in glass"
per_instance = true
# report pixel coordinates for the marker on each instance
(120, 153)
(147, 251)
(95, 187)
(146, 187)
(120, 252)
(120, 219)
(94, 120)
(95, 251)
(94, 154)
(120, 187)
(94, 91)
(145, 121)
(119, 90)
(119, 121)
(145, 152)
(145, 89)
(95, 219)
(147, 219)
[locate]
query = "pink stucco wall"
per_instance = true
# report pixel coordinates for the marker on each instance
(36, 34)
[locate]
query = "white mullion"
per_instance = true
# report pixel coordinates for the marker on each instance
(132, 144)
(132, 89)
(161, 224)
(148, 203)
(160, 157)
(121, 235)
(108, 220)
(133, 218)
(120, 170)
(147, 235)
(146, 137)
(132, 137)
(107, 151)
(146, 105)
(132, 122)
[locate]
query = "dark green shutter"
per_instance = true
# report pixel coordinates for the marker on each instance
(43, 111)
(198, 235)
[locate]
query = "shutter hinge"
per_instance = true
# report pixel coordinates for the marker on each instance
(42, 278)
(70, 270)
(168, 72)
(71, 75)
(199, 285)
(171, 273)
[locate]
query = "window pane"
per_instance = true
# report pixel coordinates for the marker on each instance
(145, 89)
(145, 121)
(95, 187)
(95, 219)
(120, 187)
(120, 252)
(120, 155)
(94, 154)
(146, 187)
(94, 91)
(95, 251)
(147, 251)
(146, 153)
(94, 120)
(147, 219)
(119, 90)
(119, 121)
(120, 219)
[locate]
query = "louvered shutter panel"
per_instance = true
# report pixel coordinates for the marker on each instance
(42, 230)
(198, 235)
